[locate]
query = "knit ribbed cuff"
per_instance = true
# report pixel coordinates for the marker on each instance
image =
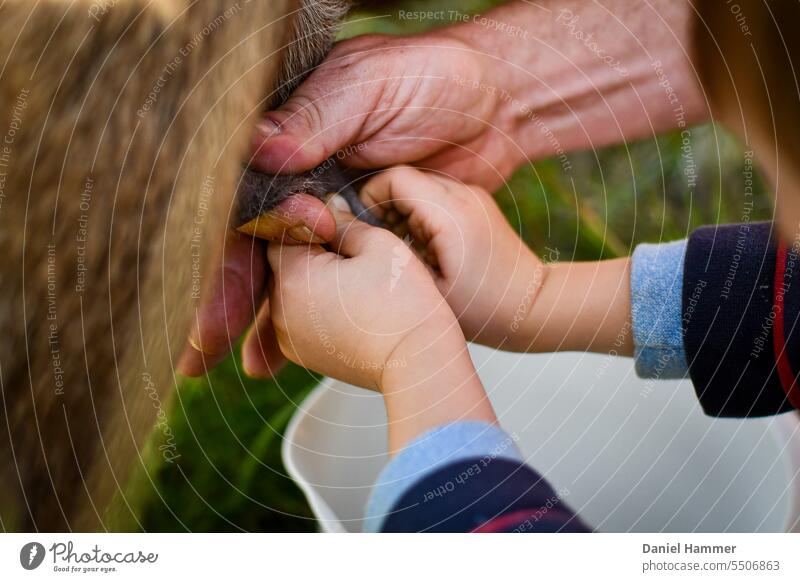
(656, 305)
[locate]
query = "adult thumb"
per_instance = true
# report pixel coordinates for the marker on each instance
(302, 134)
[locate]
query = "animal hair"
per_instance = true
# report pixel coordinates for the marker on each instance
(125, 126)
(313, 32)
(259, 193)
(315, 29)
(128, 122)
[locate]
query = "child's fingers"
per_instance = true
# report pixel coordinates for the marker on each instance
(227, 305)
(354, 238)
(351, 234)
(402, 188)
(447, 183)
(339, 208)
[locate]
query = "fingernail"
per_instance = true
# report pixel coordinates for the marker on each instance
(339, 203)
(268, 128)
(195, 343)
(304, 234)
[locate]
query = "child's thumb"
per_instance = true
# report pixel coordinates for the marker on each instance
(286, 259)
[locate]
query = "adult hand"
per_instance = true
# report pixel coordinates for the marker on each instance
(399, 100)
(235, 297)
(383, 100)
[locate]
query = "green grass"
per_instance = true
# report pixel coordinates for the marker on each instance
(228, 428)
(229, 475)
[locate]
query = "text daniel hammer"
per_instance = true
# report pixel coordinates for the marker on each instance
(678, 548)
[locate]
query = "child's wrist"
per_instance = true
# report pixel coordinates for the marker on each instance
(581, 307)
(433, 342)
(523, 330)
(431, 383)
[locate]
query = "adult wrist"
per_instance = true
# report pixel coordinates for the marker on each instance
(500, 41)
(582, 74)
(490, 76)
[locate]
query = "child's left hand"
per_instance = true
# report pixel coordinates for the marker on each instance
(371, 315)
(355, 314)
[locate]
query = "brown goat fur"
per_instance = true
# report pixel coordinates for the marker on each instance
(125, 126)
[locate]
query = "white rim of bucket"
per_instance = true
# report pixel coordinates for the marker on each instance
(326, 517)
(785, 430)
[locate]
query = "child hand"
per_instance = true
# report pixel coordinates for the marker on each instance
(372, 316)
(488, 276)
(354, 314)
(503, 295)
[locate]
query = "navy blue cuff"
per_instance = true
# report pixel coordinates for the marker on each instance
(483, 495)
(729, 319)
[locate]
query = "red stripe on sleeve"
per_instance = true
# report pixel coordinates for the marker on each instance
(518, 518)
(784, 366)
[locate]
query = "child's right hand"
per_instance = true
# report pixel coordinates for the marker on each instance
(488, 276)
(503, 295)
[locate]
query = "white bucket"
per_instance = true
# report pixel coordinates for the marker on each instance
(628, 454)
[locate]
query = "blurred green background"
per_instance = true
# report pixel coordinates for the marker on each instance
(228, 428)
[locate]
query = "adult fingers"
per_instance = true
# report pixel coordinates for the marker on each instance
(261, 354)
(301, 218)
(227, 306)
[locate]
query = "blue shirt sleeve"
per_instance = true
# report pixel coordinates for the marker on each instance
(656, 310)
(462, 477)
(429, 452)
